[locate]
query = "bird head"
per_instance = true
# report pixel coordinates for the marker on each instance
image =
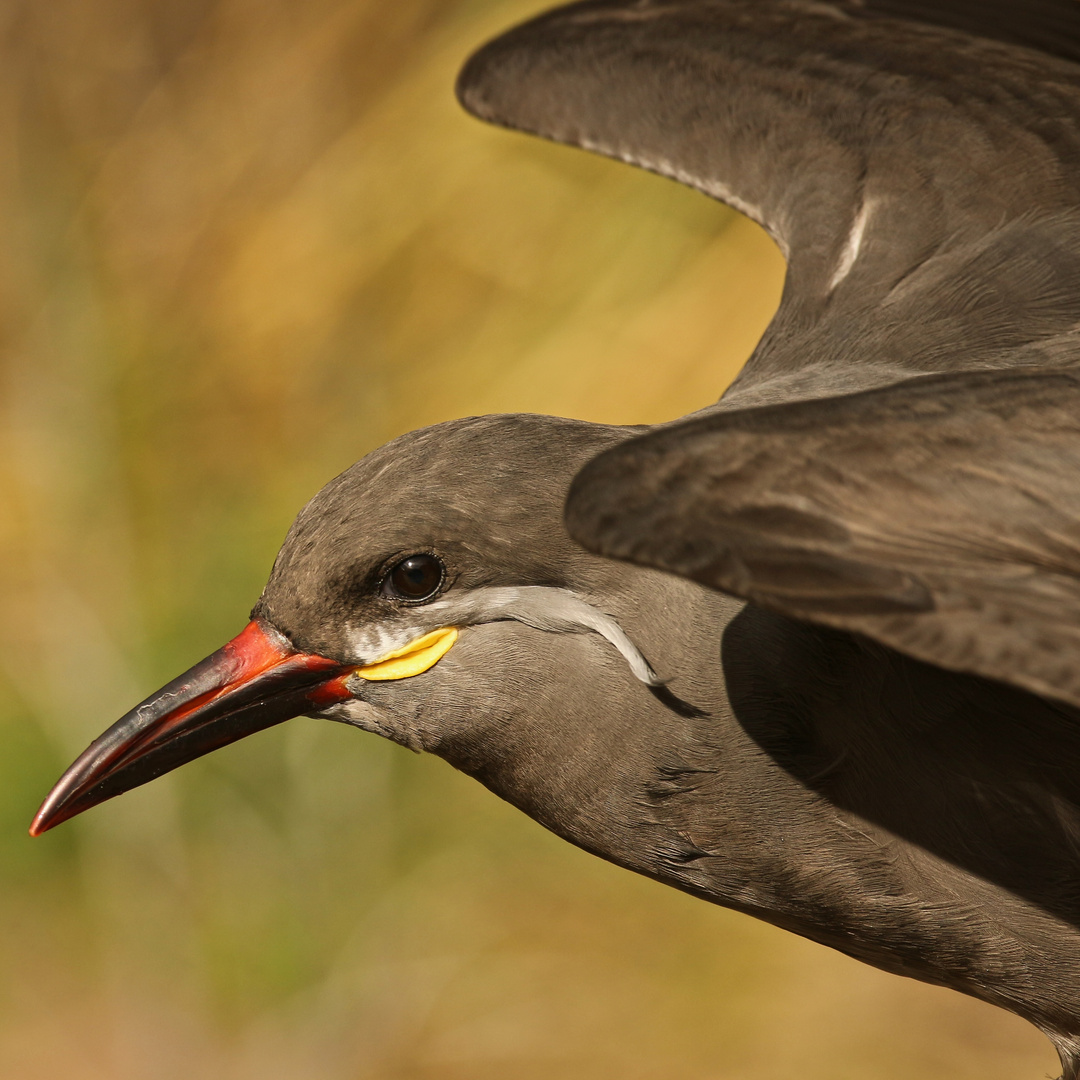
(431, 594)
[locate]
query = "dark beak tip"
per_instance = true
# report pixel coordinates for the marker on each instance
(42, 823)
(51, 813)
(255, 681)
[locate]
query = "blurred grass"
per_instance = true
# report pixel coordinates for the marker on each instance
(243, 243)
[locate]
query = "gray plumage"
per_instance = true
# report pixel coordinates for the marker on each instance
(939, 516)
(881, 750)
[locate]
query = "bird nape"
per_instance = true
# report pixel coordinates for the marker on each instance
(849, 705)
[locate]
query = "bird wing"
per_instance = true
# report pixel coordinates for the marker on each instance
(917, 162)
(938, 516)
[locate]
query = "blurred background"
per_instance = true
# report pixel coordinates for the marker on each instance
(243, 242)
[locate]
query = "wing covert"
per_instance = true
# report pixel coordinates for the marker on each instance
(938, 516)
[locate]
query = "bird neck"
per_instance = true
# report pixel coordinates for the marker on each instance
(665, 782)
(781, 793)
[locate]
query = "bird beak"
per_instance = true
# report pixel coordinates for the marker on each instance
(255, 681)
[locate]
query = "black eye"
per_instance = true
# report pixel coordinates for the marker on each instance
(416, 577)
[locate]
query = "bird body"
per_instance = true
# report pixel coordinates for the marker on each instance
(781, 789)
(850, 708)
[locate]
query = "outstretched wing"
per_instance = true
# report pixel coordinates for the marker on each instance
(919, 164)
(922, 181)
(939, 516)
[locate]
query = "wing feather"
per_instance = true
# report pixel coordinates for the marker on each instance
(886, 156)
(939, 516)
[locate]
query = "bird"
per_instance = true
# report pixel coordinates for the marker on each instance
(809, 653)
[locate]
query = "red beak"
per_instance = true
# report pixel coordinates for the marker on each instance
(255, 681)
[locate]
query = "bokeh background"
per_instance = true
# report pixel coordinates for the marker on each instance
(243, 242)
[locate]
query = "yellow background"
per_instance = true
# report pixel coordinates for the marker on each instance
(244, 241)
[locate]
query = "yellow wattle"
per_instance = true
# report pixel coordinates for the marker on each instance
(411, 659)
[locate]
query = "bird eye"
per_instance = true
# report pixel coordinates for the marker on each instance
(416, 577)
